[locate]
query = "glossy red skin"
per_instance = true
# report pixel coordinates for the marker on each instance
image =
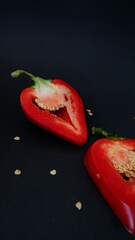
(49, 122)
(119, 193)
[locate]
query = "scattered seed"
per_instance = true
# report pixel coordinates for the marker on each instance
(89, 112)
(53, 172)
(78, 205)
(17, 172)
(16, 138)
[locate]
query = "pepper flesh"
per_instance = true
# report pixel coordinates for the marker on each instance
(56, 107)
(117, 189)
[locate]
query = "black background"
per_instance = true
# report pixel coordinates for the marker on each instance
(91, 45)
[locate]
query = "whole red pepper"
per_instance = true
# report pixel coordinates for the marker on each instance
(54, 106)
(111, 166)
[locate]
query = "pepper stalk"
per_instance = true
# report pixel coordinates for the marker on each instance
(101, 132)
(38, 81)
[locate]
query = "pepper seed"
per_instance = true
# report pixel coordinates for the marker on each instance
(98, 175)
(78, 205)
(89, 112)
(53, 172)
(16, 138)
(17, 172)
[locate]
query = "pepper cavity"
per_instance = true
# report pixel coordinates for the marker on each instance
(123, 159)
(52, 97)
(127, 169)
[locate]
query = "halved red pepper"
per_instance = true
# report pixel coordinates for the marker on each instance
(54, 106)
(111, 166)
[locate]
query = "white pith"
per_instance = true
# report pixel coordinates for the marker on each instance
(123, 158)
(53, 98)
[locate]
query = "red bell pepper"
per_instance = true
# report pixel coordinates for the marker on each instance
(111, 166)
(54, 106)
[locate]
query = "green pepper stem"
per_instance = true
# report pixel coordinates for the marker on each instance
(101, 132)
(18, 72)
(37, 80)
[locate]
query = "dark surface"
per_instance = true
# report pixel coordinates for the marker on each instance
(92, 47)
